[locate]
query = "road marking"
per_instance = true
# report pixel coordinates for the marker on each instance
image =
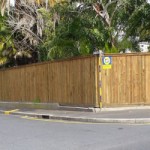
(60, 121)
(10, 111)
(141, 124)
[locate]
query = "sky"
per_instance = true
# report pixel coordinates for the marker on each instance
(12, 2)
(148, 1)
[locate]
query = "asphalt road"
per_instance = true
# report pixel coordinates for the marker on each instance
(17, 133)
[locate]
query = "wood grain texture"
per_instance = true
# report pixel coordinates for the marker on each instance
(67, 82)
(76, 81)
(128, 82)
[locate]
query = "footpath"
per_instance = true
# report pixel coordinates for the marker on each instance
(128, 115)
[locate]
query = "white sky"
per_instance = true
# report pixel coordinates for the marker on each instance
(148, 1)
(12, 2)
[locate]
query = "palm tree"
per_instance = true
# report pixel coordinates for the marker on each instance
(26, 23)
(5, 4)
(7, 49)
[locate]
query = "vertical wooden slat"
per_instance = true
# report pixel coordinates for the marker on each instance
(143, 80)
(41, 73)
(128, 79)
(147, 65)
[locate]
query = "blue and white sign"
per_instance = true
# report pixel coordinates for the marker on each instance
(107, 62)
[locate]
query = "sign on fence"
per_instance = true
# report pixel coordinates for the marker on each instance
(107, 62)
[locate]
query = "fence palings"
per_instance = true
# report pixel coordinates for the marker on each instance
(75, 81)
(68, 82)
(128, 82)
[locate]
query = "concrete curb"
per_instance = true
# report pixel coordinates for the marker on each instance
(84, 119)
(84, 109)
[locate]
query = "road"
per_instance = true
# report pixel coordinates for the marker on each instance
(23, 133)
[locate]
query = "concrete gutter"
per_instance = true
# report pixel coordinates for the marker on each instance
(81, 119)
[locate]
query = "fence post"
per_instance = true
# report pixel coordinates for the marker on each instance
(100, 55)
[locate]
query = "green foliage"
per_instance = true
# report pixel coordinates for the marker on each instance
(124, 44)
(135, 18)
(48, 34)
(110, 49)
(37, 100)
(7, 49)
(77, 33)
(70, 31)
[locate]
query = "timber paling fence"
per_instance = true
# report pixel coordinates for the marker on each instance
(76, 82)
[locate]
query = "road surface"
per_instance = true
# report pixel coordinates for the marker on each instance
(24, 133)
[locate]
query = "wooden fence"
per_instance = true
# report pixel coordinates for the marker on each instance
(76, 82)
(128, 82)
(68, 82)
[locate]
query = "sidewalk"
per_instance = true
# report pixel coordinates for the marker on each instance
(133, 115)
